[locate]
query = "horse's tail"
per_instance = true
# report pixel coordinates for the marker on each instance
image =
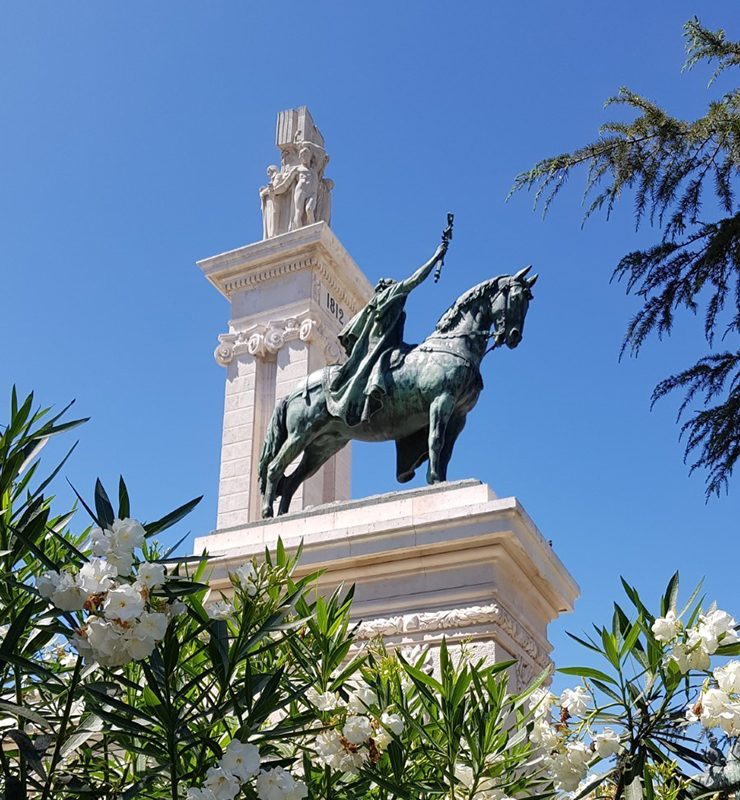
(277, 433)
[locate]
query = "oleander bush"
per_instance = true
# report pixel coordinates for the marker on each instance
(123, 676)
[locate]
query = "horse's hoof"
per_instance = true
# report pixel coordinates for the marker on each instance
(267, 512)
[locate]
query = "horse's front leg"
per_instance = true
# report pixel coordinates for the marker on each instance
(440, 412)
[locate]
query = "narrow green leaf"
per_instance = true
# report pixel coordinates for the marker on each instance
(124, 504)
(103, 505)
(668, 601)
(25, 745)
(168, 520)
(588, 672)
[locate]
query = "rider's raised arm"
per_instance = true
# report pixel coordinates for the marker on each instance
(423, 272)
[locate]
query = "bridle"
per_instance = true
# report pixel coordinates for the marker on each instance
(500, 331)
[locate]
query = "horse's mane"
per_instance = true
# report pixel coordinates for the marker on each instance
(454, 313)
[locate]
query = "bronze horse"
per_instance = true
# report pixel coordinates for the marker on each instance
(431, 389)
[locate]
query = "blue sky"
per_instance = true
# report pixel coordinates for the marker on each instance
(135, 136)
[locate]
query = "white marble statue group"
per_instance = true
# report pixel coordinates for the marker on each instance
(297, 194)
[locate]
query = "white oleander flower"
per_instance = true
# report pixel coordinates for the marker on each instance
(200, 794)
(362, 699)
(575, 701)
(544, 735)
(298, 792)
(279, 784)
(413, 655)
(569, 767)
(485, 788)
(127, 535)
(394, 722)
(99, 542)
(150, 625)
(243, 760)
(97, 575)
(540, 702)
(124, 603)
(717, 627)
(357, 729)
(728, 677)
(326, 701)
(151, 575)
(249, 578)
(665, 628)
(68, 596)
(718, 710)
(123, 561)
(47, 583)
(329, 748)
(382, 739)
(176, 609)
(351, 763)
(700, 644)
(222, 610)
(607, 743)
(82, 646)
(691, 654)
(109, 647)
(224, 784)
(139, 649)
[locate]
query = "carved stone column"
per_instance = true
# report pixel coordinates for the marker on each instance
(290, 296)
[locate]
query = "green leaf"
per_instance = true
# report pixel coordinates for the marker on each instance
(29, 752)
(124, 505)
(421, 677)
(633, 790)
(588, 672)
(632, 636)
(26, 713)
(668, 601)
(171, 519)
(103, 505)
(610, 648)
(583, 642)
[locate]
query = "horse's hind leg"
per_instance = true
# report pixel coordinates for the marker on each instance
(440, 413)
(314, 457)
(453, 430)
(276, 471)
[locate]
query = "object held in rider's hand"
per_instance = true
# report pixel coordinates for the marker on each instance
(446, 236)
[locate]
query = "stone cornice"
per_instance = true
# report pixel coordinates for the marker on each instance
(314, 247)
(456, 619)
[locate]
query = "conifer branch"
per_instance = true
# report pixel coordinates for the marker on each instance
(672, 166)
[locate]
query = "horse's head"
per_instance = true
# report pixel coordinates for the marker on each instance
(509, 307)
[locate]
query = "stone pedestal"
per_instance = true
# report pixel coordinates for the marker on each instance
(448, 560)
(290, 296)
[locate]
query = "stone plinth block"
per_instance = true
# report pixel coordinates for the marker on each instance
(447, 560)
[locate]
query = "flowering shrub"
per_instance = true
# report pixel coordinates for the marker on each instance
(640, 712)
(123, 676)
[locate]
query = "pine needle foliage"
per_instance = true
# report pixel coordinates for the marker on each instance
(675, 168)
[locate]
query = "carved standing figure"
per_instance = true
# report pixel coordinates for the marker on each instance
(270, 208)
(323, 203)
(305, 192)
(418, 396)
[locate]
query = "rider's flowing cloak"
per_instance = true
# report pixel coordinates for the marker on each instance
(355, 390)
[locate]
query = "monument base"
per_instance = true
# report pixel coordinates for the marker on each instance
(451, 560)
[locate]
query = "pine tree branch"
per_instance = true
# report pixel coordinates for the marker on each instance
(670, 165)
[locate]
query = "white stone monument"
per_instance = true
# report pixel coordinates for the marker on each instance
(447, 560)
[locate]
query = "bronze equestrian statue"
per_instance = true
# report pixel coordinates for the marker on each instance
(417, 395)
